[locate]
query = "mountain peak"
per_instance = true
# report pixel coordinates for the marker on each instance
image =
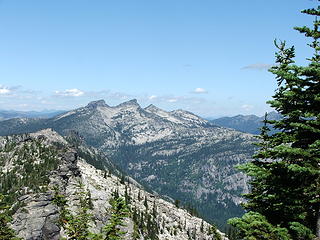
(132, 102)
(152, 108)
(98, 103)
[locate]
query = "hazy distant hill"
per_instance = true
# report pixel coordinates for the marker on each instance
(8, 114)
(175, 153)
(245, 123)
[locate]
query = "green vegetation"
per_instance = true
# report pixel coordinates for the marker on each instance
(214, 232)
(30, 170)
(253, 226)
(145, 223)
(119, 211)
(6, 233)
(28, 163)
(177, 203)
(77, 224)
(284, 201)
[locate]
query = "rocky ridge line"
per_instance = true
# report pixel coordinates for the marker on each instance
(38, 217)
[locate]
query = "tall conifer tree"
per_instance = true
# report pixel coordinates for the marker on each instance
(286, 171)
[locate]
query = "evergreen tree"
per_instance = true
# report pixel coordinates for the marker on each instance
(255, 226)
(154, 209)
(141, 223)
(177, 203)
(123, 179)
(145, 203)
(120, 211)
(6, 233)
(126, 196)
(201, 226)
(76, 225)
(286, 173)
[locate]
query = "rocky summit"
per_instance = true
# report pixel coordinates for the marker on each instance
(52, 192)
(177, 154)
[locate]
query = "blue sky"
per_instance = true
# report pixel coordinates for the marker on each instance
(208, 57)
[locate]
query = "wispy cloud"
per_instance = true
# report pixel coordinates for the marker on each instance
(74, 92)
(120, 96)
(258, 66)
(247, 107)
(152, 97)
(172, 100)
(14, 91)
(4, 90)
(199, 91)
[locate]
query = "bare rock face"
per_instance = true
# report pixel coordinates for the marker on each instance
(37, 219)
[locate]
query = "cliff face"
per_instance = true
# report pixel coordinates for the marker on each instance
(56, 193)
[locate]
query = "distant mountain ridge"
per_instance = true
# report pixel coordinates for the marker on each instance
(177, 154)
(8, 114)
(245, 123)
